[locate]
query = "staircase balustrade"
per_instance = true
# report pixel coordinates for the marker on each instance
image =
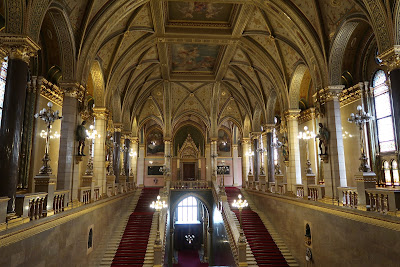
(85, 195)
(184, 185)
(349, 196)
(59, 200)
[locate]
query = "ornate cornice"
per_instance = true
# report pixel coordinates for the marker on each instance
(73, 89)
(269, 128)
(18, 46)
(351, 94)
(391, 58)
(118, 126)
(307, 115)
(292, 114)
(100, 113)
(51, 91)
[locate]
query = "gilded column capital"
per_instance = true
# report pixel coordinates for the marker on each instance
(72, 89)
(118, 126)
(246, 140)
(100, 113)
(391, 58)
(292, 114)
(255, 135)
(18, 47)
(134, 139)
(269, 128)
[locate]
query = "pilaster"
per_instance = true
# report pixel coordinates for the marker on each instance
(294, 173)
(99, 171)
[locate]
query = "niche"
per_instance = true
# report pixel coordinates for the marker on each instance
(90, 239)
(307, 236)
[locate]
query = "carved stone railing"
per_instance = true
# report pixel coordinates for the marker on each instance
(32, 205)
(85, 194)
(383, 200)
(316, 192)
(96, 193)
(3, 209)
(184, 185)
(59, 200)
(349, 196)
(299, 190)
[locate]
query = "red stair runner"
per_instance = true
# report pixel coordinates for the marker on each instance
(133, 245)
(262, 245)
(189, 258)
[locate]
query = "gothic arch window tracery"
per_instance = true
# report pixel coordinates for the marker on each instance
(383, 111)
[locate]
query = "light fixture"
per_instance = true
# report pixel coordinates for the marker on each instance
(240, 204)
(158, 205)
(307, 135)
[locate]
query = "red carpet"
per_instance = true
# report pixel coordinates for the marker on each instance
(261, 243)
(189, 258)
(133, 245)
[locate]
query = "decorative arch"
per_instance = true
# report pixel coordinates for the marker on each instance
(271, 108)
(14, 16)
(97, 77)
(175, 202)
(295, 86)
(246, 127)
(181, 134)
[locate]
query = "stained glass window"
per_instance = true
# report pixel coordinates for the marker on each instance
(383, 112)
(3, 76)
(187, 211)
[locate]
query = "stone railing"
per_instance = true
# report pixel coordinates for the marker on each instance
(59, 200)
(32, 205)
(299, 190)
(3, 210)
(349, 196)
(316, 192)
(96, 193)
(184, 185)
(85, 194)
(383, 200)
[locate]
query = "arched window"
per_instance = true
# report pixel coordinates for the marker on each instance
(383, 111)
(3, 77)
(386, 171)
(188, 211)
(395, 171)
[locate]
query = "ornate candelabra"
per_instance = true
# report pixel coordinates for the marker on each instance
(307, 135)
(49, 117)
(240, 204)
(261, 151)
(250, 154)
(91, 135)
(158, 205)
(221, 170)
(360, 119)
(189, 238)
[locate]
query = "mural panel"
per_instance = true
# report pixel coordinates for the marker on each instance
(193, 57)
(155, 143)
(224, 144)
(199, 11)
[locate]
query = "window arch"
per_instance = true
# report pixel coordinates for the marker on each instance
(386, 172)
(395, 171)
(3, 77)
(188, 211)
(383, 112)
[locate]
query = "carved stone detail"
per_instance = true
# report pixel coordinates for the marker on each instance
(189, 149)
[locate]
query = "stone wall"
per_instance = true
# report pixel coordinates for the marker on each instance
(340, 237)
(62, 240)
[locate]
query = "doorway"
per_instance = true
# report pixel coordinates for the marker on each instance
(189, 173)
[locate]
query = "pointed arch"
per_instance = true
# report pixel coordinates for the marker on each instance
(96, 74)
(295, 85)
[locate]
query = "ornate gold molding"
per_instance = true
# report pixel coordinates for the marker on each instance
(391, 58)
(307, 115)
(269, 128)
(118, 126)
(292, 114)
(100, 113)
(351, 94)
(51, 92)
(18, 46)
(73, 89)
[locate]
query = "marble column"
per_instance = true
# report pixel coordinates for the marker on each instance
(68, 170)
(245, 159)
(18, 51)
(99, 160)
(208, 161)
(168, 154)
(237, 166)
(140, 166)
(214, 158)
(126, 157)
(269, 159)
(256, 156)
(134, 158)
(117, 145)
(334, 169)
(294, 173)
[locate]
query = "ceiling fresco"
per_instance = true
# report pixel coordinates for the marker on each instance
(199, 12)
(193, 57)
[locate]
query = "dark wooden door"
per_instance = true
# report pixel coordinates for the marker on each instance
(188, 171)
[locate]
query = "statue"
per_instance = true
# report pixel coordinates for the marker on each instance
(285, 149)
(323, 139)
(81, 138)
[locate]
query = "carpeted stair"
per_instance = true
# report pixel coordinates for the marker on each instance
(132, 248)
(264, 249)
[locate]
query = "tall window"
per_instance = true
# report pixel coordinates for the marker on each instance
(3, 76)
(188, 211)
(383, 111)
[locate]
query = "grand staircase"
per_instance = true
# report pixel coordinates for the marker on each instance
(132, 248)
(262, 245)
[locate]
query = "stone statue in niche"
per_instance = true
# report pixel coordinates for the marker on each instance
(323, 139)
(81, 138)
(285, 148)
